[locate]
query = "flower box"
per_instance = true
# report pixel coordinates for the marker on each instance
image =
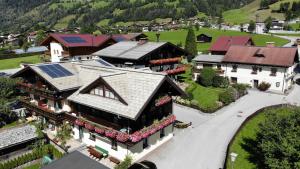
(79, 122)
(163, 100)
(111, 133)
(176, 71)
(164, 61)
(122, 137)
(89, 126)
(99, 130)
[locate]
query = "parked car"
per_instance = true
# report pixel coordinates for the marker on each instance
(143, 165)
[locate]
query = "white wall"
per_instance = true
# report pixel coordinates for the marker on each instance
(56, 51)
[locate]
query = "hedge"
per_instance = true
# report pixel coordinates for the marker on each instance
(36, 153)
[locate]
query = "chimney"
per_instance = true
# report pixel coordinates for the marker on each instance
(142, 41)
(270, 44)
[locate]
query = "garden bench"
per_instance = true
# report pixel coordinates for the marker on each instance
(103, 151)
(114, 160)
(95, 153)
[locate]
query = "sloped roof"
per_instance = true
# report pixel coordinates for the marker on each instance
(129, 50)
(86, 40)
(223, 43)
(134, 86)
(209, 58)
(127, 37)
(273, 56)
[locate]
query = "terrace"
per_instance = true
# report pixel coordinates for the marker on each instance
(43, 110)
(40, 91)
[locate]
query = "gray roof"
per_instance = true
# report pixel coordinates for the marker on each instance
(14, 136)
(134, 87)
(129, 50)
(209, 58)
(75, 160)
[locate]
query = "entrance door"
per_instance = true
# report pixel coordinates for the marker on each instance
(255, 83)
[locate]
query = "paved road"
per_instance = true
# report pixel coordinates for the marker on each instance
(292, 40)
(203, 146)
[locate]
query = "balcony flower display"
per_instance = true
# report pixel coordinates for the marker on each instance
(136, 136)
(111, 133)
(122, 137)
(164, 61)
(176, 71)
(99, 130)
(163, 100)
(79, 122)
(89, 126)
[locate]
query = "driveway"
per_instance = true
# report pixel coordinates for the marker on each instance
(203, 146)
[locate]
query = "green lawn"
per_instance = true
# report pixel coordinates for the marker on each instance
(179, 36)
(34, 166)
(249, 131)
(15, 62)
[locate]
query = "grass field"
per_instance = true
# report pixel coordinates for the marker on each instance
(249, 12)
(63, 23)
(34, 166)
(249, 131)
(15, 62)
(179, 36)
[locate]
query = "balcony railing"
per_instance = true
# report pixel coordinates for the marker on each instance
(218, 71)
(57, 117)
(38, 91)
(165, 61)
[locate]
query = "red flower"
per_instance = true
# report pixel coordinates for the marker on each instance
(99, 130)
(122, 137)
(136, 136)
(110, 133)
(89, 126)
(79, 122)
(163, 100)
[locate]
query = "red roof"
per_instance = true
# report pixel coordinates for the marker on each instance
(77, 40)
(273, 56)
(224, 42)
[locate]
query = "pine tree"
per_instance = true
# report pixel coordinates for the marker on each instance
(190, 44)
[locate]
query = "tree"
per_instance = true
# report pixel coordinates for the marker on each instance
(220, 21)
(26, 46)
(206, 77)
(40, 36)
(251, 27)
(278, 140)
(125, 164)
(268, 23)
(190, 44)
(64, 134)
(197, 26)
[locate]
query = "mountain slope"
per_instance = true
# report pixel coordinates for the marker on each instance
(25, 14)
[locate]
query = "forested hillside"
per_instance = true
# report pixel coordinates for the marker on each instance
(22, 15)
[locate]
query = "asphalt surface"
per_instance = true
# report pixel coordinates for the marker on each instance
(203, 146)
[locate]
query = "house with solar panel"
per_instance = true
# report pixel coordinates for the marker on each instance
(158, 56)
(62, 47)
(114, 111)
(129, 37)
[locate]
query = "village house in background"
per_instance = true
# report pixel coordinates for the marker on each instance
(158, 56)
(222, 44)
(74, 46)
(116, 111)
(203, 38)
(253, 65)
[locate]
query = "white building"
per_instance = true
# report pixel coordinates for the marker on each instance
(254, 65)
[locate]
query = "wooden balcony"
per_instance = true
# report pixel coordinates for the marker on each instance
(56, 117)
(65, 54)
(52, 95)
(218, 71)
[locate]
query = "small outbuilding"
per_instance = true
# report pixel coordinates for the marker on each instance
(203, 38)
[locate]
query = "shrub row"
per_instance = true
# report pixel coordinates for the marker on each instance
(37, 153)
(233, 93)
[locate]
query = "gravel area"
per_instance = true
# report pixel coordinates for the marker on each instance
(17, 135)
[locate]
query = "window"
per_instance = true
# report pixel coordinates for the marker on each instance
(254, 70)
(219, 67)
(234, 68)
(162, 133)
(92, 137)
(273, 71)
(233, 80)
(145, 143)
(104, 92)
(114, 144)
(277, 84)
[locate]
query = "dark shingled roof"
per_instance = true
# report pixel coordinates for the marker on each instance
(88, 40)
(274, 56)
(224, 42)
(75, 160)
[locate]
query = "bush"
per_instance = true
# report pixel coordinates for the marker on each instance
(241, 88)
(219, 81)
(125, 164)
(228, 96)
(206, 76)
(194, 103)
(264, 86)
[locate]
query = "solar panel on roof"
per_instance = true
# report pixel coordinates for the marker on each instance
(104, 62)
(73, 39)
(55, 70)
